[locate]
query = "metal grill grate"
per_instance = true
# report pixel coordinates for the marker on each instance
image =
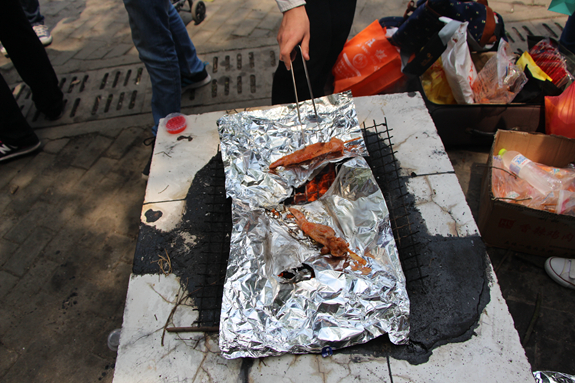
(386, 170)
(210, 272)
(209, 275)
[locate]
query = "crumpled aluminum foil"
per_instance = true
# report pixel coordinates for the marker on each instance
(552, 377)
(318, 300)
(252, 140)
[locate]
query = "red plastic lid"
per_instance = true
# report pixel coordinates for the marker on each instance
(175, 123)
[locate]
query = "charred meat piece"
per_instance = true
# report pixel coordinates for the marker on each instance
(310, 152)
(323, 234)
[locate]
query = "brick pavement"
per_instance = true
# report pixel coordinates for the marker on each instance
(70, 213)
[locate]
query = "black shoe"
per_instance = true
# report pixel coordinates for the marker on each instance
(11, 151)
(56, 113)
(148, 142)
(196, 81)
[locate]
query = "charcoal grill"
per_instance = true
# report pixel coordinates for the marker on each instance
(457, 312)
(203, 275)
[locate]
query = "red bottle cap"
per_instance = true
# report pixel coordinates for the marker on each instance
(175, 123)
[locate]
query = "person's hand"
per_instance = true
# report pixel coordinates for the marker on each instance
(294, 30)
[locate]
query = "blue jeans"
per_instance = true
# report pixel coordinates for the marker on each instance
(568, 35)
(32, 11)
(166, 49)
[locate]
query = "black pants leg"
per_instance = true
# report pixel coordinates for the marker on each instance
(330, 23)
(33, 65)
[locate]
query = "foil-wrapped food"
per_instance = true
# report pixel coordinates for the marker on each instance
(313, 262)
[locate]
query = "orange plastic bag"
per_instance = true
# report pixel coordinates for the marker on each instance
(368, 63)
(560, 113)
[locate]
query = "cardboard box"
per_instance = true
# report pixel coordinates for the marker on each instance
(520, 228)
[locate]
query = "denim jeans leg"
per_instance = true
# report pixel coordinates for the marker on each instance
(152, 36)
(568, 35)
(32, 10)
(187, 57)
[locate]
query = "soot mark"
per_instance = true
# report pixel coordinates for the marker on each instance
(153, 215)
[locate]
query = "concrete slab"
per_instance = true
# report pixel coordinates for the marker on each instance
(151, 298)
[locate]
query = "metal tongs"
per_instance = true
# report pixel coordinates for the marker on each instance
(308, 85)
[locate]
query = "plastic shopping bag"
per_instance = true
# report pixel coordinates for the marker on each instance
(368, 63)
(499, 81)
(560, 113)
(547, 56)
(435, 85)
(459, 67)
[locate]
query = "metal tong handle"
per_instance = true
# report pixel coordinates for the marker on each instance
(308, 85)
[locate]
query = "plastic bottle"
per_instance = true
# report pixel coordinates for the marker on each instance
(526, 169)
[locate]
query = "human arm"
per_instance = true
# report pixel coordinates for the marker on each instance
(294, 30)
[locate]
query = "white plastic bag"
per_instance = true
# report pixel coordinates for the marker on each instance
(458, 66)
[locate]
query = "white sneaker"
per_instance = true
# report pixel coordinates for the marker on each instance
(43, 34)
(561, 270)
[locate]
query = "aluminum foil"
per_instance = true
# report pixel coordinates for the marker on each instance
(552, 377)
(252, 140)
(281, 295)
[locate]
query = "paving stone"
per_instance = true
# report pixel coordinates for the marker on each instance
(36, 355)
(63, 245)
(33, 170)
(97, 234)
(223, 33)
(29, 285)
(5, 198)
(12, 168)
(26, 196)
(6, 223)
(101, 52)
(119, 50)
(89, 50)
(7, 248)
(60, 59)
(74, 147)
(131, 165)
(85, 27)
(8, 319)
(108, 27)
(101, 367)
(257, 33)
(123, 142)
(245, 28)
(37, 216)
(271, 21)
(53, 8)
(7, 359)
(218, 17)
(121, 213)
(7, 282)
(125, 246)
(25, 256)
(64, 186)
(95, 174)
(91, 154)
(104, 192)
(54, 146)
(37, 312)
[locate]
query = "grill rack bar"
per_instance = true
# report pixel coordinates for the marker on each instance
(386, 170)
(210, 276)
